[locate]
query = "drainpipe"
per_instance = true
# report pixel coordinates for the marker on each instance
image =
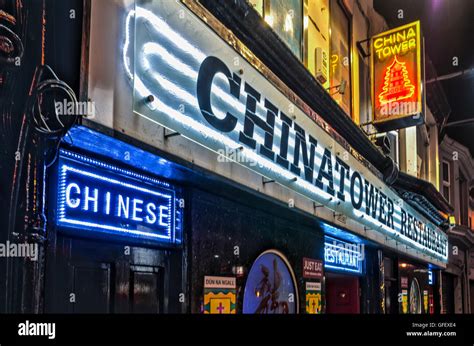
(34, 229)
(466, 281)
(381, 288)
(440, 292)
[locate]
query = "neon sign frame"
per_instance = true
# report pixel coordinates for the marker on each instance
(157, 223)
(408, 50)
(430, 277)
(337, 251)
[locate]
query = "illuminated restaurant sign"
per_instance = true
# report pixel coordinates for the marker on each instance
(343, 256)
(95, 197)
(397, 76)
(187, 79)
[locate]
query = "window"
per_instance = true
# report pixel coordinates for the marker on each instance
(340, 62)
(326, 46)
(317, 40)
(446, 181)
(365, 107)
(258, 5)
(463, 200)
(285, 17)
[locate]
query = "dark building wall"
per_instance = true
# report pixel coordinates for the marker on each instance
(50, 33)
(218, 225)
(105, 278)
(371, 294)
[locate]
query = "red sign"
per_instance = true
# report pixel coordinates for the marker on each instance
(312, 268)
(404, 282)
(397, 76)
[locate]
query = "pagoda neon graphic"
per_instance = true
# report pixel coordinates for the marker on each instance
(397, 85)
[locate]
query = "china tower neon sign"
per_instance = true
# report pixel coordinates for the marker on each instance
(396, 69)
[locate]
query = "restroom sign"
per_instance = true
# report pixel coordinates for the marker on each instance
(95, 196)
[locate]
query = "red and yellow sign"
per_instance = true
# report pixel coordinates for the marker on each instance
(426, 301)
(397, 75)
(219, 302)
(313, 298)
(219, 295)
(405, 301)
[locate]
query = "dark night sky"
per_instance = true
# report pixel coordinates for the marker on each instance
(448, 28)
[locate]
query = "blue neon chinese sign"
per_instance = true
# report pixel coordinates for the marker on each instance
(97, 197)
(343, 256)
(430, 277)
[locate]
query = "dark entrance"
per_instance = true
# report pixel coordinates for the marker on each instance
(391, 286)
(342, 294)
(91, 276)
(448, 293)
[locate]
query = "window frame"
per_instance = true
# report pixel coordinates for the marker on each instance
(265, 10)
(444, 182)
(303, 58)
(349, 18)
(305, 37)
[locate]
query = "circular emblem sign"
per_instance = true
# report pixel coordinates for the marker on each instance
(415, 297)
(270, 287)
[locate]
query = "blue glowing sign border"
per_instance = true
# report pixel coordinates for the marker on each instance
(359, 269)
(71, 161)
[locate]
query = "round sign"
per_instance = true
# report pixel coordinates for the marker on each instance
(270, 286)
(415, 297)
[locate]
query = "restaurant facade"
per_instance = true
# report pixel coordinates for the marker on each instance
(223, 170)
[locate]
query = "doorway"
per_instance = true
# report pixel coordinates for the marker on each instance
(342, 294)
(94, 276)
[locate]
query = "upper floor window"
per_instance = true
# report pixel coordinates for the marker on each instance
(316, 24)
(446, 174)
(285, 17)
(340, 71)
(318, 33)
(365, 106)
(422, 150)
(257, 5)
(463, 200)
